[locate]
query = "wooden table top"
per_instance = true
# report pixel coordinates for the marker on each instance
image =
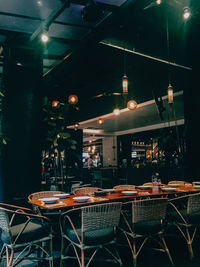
(69, 202)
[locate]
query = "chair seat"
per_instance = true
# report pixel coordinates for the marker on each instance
(34, 230)
(147, 227)
(101, 236)
(192, 218)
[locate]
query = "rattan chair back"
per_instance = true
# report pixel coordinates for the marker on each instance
(100, 216)
(86, 190)
(42, 194)
(4, 220)
(149, 209)
(193, 203)
(124, 187)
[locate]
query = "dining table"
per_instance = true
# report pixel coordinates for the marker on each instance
(107, 195)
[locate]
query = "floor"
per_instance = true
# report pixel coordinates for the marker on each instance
(147, 257)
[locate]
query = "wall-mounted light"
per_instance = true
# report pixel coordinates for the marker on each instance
(116, 111)
(186, 13)
(100, 121)
(170, 93)
(73, 99)
(55, 104)
(132, 104)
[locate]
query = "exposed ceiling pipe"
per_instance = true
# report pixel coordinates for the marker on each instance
(145, 55)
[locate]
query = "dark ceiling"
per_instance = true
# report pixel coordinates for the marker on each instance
(86, 56)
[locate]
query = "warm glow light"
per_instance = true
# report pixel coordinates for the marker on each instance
(76, 126)
(116, 111)
(125, 84)
(186, 13)
(170, 93)
(100, 121)
(132, 104)
(55, 104)
(73, 99)
(93, 131)
(44, 37)
(158, 2)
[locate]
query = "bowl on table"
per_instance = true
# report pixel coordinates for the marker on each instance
(49, 200)
(169, 189)
(81, 199)
(129, 193)
(144, 186)
(64, 195)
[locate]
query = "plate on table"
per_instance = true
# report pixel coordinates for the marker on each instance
(168, 189)
(64, 195)
(144, 186)
(174, 185)
(197, 186)
(109, 190)
(49, 200)
(129, 193)
(81, 199)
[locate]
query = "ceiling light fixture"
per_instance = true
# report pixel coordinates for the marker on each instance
(73, 99)
(116, 111)
(186, 13)
(76, 125)
(100, 121)
(132, 105)
(170, 91)
(44, 37)
(158, 2)
(55, 104)
(125, 78)
(170, 94)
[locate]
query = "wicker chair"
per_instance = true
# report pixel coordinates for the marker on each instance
(124, 187)
(86, 190)
(25, 233)
(42, 194)
(144, 220)
(91, 227)
(184, 214)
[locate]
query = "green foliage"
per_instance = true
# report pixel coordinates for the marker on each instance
(55, 120)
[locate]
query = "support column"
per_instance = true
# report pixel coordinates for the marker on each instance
(110, 151)
(21, 123)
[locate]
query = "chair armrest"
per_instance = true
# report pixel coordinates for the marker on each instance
(30, 215)
(16, 207)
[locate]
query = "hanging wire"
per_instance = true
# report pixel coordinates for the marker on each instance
(168, 50)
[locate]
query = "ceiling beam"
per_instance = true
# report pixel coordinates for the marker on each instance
(49, 20)
(145, 55)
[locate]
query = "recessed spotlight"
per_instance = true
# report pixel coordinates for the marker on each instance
(39, 3)
(116, 111)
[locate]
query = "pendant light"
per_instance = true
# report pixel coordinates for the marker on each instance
(125, 78)
(170, 91)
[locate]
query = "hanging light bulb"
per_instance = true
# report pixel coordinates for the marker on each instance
(158, 2)
(125, 84)
(100, 121)
(55, 104)
(116, 111)
(73, 99)
(186, 13)
(44, 37)
(76, 125)
(132, 104)
(170, 93)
